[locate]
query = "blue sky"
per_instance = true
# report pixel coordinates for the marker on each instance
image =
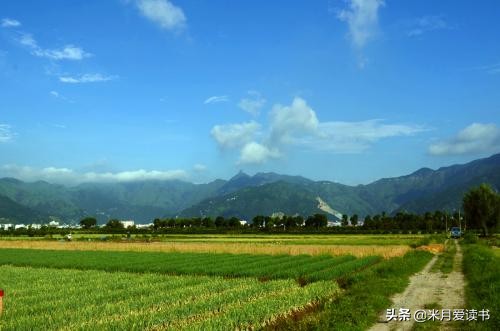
(349, 91)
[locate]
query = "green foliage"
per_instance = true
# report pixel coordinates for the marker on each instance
(114, 224)
(311, 268)
(366, 295)
(482, 208)
(39, 298)
(88, 222)
(481, 268)
(446, 260)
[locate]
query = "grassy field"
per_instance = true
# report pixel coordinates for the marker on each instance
(42, 298)
(281, 239)
(386, 251)
(482, 272)
(208, 283)
(305, 268)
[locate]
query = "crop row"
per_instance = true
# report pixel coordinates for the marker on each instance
(45, 298)
(310, 268)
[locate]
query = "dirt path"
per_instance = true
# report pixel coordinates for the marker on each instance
(426, 288)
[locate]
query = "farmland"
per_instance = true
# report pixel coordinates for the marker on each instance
(52, 284)
(92, 300)
(358, 245)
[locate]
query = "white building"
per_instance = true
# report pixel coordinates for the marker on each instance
(6, 226)
(144, 226)
(54, 223)
(128, 223)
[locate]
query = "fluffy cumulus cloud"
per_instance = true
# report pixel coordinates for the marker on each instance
(10, 23)
(6, 133)
(297, 126)
(362, 20)
(86, 78)
(290, 122)
(216, 99)
(255, 153)
(475, 138)
(427, 23)
(69, 176)
(235, 135)
(163, 12)
(252, 103)
(68, 52)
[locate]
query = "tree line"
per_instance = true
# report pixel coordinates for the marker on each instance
(481, 211)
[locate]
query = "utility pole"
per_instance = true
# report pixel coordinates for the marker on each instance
(459, 220)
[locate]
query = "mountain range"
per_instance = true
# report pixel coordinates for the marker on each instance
(243, 196)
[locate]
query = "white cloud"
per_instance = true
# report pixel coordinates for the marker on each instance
(163, 12)
(297, 125)
(355, 137)
(235, 135)
(475, 138)
(28, 40)
(199, 167)
(490, 69)
(68, 52)
(290, 122)
(6, 134)
(255, 153)
(10, 23)
(426, 24)
(253, 103)
(216, 99)
(362, 19)
(69, 176)
(86, 78)
(59, 96)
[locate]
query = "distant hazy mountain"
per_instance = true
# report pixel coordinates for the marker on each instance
(421, 191)
(242, 180)
(246, 196)
(12, 212)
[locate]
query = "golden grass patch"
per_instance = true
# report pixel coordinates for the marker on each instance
(433, 248)
(386, 251)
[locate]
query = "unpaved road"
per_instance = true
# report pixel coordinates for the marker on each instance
(425, 288)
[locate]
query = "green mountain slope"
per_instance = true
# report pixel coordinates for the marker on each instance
(13, 213)
(246, 196)
(421, 191)
(266, 199)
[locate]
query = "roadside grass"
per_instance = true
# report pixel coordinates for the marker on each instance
(481, 267)
(366, 295)
(428, 325)
(446, 259)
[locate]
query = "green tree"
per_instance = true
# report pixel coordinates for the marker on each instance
(258, 221)
(345, 220)
(88, 222)
(220, 221)
(354, 219)
(114, 224)
(482, 208)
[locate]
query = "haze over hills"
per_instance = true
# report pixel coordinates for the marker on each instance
(244, 196)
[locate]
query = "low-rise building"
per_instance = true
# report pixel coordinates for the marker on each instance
(128, 223)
